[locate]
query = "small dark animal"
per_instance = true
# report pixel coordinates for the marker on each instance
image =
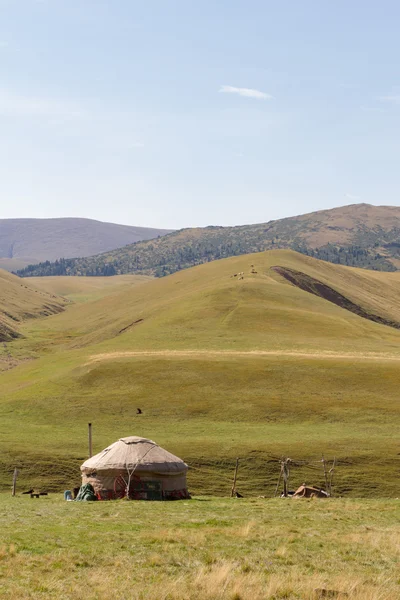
(237, 495)
(28, 492)
(324, 593)
(139, 411)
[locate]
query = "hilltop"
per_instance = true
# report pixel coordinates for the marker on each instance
(27, 241)
(255, 356)
(214, 306)
(358, 235)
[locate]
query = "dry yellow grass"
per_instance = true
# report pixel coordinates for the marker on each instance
(204, 549)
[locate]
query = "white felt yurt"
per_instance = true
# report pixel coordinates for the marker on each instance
(150, 472)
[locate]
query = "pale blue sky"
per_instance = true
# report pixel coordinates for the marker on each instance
(175, 113)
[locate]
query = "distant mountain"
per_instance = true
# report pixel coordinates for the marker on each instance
(27, 241)
(357, 235)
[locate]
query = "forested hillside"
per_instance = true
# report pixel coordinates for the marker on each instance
(358, 235)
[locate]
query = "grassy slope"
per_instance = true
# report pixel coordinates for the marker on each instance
(206, 307)
(20, 301)
(331, 384)
(202, 549)
(82, 289)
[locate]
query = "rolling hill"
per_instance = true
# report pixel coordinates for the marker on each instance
(20, 302)
(254, 356)
(83, 289)
(358, 235)
(27, 241)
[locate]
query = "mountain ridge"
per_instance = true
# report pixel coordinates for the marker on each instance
(29, 241)
(360, 235)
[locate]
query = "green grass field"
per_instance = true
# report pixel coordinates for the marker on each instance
(21, 301)
(221, 367)
(201, 549)
(84, 289)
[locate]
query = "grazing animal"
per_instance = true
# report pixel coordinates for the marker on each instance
(139, 411)
(324, 593)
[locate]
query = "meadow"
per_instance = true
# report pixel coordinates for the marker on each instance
(201, 549)
(221, 367)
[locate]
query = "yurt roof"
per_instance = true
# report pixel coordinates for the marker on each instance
(130, 452)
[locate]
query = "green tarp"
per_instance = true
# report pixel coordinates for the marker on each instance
(86, 493)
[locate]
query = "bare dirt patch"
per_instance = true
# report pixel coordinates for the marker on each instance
(199, 354)
(316, 287)
(130, 326)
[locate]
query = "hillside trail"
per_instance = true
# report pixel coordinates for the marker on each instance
(240, 353)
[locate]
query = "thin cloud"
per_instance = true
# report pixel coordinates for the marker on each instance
(135, 145)
(17, 105)
(109, 142)
(372, 109)
(395, 99)
(245, 92)
(352, 197)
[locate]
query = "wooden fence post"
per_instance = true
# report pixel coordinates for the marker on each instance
(235, 477)
(14, 485)
(90, 439)
(285, 478)
(326, 476)
(331, 473)
(279, 480)
(286, 473)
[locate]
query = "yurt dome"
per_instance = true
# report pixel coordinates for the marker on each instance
(139, 466)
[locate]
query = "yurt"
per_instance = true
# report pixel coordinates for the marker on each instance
(138, 465)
